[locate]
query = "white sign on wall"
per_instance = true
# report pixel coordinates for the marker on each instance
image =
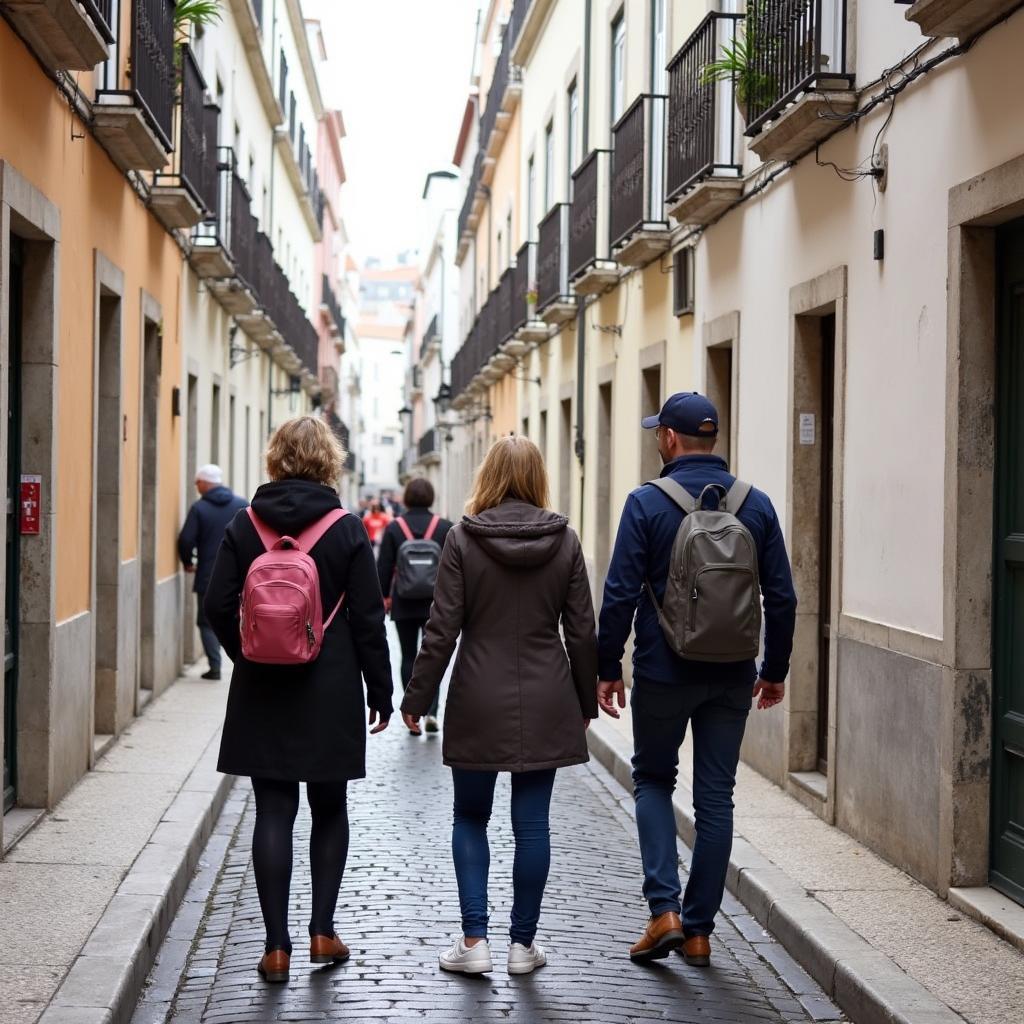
(807, 428)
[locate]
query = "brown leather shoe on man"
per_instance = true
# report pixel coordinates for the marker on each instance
(327, 949)
(273, 966)
(696, 951)
(662, 934)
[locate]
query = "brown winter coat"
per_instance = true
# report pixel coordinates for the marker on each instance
(518, 696)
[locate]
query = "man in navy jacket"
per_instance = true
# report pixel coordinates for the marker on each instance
(669, 692)
(199, 542)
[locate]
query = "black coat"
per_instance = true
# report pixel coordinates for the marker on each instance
(203, 531)
(418, 520)
(303, 722)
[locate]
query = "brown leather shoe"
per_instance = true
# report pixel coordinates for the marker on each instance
(662, 934)
(697, 951)
(273, 966)
(327, 949)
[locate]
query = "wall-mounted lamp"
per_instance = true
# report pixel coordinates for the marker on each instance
(175, 402)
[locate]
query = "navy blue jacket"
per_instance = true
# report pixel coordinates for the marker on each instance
(643, 546)
(203, 531)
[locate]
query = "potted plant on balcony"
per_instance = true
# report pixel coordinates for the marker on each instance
(740, 62)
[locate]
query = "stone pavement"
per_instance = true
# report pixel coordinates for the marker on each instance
(399, 906)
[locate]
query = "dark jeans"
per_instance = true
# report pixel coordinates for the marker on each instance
(211, 645)
(531, 802)
(717, 715)
(409, 631)
(277, 803)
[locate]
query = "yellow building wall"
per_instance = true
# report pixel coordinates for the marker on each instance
(98, 210)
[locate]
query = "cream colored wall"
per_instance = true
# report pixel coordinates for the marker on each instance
(808, 222)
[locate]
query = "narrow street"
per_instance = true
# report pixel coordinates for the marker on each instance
(399, 906)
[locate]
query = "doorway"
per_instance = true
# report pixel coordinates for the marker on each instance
(565, 459)
(650, 403)
(13, 547)
(148, 503)
(1007, 856)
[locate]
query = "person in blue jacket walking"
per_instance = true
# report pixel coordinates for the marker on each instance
(669, 693)
(199, 542)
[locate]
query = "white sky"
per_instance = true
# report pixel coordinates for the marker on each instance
(399, 72)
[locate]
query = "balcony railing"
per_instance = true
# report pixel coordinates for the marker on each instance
(428, 443)
(703, 118)
(636, 199)
(330, 301)
(588, 227)
(242, 233)
(523, 283)
(209, 189)
(471, 189)
(796, 45)
(487, 335)
(102, 17)
(504, 75)
(153, 72)
(504, 293)
(430, 336)
(291, 321)
(553, 257)
(192, 153)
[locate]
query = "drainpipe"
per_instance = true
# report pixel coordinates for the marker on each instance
(581, 309)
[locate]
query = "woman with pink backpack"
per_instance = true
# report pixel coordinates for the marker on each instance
(295, 602)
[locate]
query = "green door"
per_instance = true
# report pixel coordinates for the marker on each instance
(11, 614)
(1008, 609)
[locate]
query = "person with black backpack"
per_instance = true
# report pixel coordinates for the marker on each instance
(410, 553)
(697, 553)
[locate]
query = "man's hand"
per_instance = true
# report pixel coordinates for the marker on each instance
(607, 694)
(379, 727)
(190, 569)
(768, 694)
(411, 721)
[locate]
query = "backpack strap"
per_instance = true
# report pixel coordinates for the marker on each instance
(307, 540)
(404, 527)
(676, 492)
(268, 537)
(738, 494)
(429, 535)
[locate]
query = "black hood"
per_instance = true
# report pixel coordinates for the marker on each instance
(517, 533)
(219, 496)
(289, 506)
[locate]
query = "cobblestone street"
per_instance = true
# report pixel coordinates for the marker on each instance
(399, 906)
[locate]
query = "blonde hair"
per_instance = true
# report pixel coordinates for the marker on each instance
(305, 448)
(513, 468)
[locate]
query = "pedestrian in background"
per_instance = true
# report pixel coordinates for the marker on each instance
(376, 522)
(291, 723)
(711, 689)
(198, 544)
(519, 701)
(410, 554)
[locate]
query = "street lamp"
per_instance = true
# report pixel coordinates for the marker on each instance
(443, 400)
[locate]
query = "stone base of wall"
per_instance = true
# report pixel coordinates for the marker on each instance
(167, 643)
(71, 724)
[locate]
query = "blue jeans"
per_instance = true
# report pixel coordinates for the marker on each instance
(531, 802)
(718, 715)
(211, 645)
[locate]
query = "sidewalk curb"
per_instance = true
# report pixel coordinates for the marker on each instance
(106, 979)
(863, 982)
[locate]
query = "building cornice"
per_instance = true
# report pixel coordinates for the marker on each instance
(298, 23)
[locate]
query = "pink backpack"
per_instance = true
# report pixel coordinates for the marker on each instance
(281, 615)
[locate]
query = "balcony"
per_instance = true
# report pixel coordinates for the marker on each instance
(555, 302)
(704, 171)
(590, 270)
(66, 35)
(210, 256)
(179, 199)
(414, 381)
(469, 215)
(526, 326)
(505, 293)
(329, 389)
(237, 292)
(960, 18)
(431, 342)
(331, 308)
(255, 321)
(428, 450)
(803, 86)
(639, 231)
(502, 99)
(135, 125)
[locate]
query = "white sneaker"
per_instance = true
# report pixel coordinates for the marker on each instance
(523, 960)
(467, 959)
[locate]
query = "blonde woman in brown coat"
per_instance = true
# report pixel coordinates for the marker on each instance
(513, 583)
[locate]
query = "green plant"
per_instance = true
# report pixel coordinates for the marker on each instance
(199, 13)
(737, 62)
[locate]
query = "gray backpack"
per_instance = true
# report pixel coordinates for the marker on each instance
(417, 563)
(712, 605)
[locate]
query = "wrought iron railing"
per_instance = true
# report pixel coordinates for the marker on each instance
(242, 232)
(428, 443)
(503, 302)
(430, 335)
(523, 284)
(504, 74)
(282, 83)
(330, 300)
(636, 199)
(588, 225)
(471, 189)
(152, 68)
(209, 189)
(703, 118)
(291, 321)
(487, 335)
(795, 45)
(101, 12)
(192, 137)
(553, 256)
(263, 269)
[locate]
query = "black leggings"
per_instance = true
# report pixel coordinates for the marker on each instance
(409, 640)
(277, 803)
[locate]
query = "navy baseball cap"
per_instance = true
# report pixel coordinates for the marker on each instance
(686, 413)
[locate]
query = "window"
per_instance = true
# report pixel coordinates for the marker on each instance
(659, 56)
(500, 246)
(572, 133)
(549, 167)
(282, 92)
(508, 239)
(618, 66)
(531, 192)
(682, 281)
